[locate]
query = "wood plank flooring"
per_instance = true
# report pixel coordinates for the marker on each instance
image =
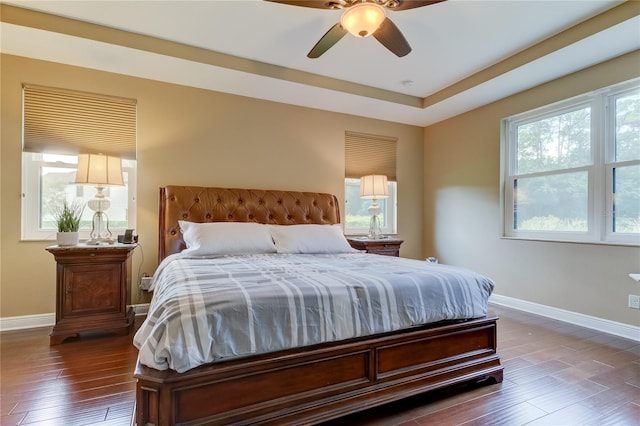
(83, 382)
(555, 374)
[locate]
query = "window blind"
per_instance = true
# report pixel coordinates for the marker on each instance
(369, 154)
(64, 121)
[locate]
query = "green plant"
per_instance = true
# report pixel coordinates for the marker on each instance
(68, 216)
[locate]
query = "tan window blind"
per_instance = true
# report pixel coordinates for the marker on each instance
(369, 154)
(63, 121)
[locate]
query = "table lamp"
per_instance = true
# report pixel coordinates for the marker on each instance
(374, 187)
(99, 170)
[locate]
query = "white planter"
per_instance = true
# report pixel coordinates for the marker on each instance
(68, 238)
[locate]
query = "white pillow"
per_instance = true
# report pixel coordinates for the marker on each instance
(219, 238)
(310, 239)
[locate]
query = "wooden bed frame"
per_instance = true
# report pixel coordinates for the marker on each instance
(305, 385)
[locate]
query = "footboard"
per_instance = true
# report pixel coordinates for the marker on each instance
(319, 383)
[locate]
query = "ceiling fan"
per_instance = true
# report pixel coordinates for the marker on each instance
(362, 18)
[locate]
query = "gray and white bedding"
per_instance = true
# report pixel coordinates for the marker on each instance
(207, 309)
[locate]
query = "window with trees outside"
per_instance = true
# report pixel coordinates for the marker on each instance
(356, 215)
(572, 169)
(48, 180)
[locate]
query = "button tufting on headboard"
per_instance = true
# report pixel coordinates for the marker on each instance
(200, 204)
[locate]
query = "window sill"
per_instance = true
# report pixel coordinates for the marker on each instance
(549, 240)
(51, 236)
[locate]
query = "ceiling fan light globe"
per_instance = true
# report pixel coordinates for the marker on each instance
(363, 19)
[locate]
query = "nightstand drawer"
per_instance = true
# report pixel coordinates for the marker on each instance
(387, 250)
(383, 246)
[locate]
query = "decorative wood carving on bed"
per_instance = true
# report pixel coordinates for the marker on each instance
(304, 385)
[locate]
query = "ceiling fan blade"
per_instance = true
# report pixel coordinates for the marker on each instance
(327, 41)
(391, 38)
(322, 4)
(407, 4)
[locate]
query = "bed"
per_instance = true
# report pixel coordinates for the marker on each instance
(333, 367)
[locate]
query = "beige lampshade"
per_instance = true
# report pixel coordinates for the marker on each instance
(99, 170)
(374, 186)
(363, 19)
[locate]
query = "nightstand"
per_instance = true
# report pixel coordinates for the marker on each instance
(384, 246)
(93, 289)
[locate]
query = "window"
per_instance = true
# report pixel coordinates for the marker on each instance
(572, 169)
(48, 179)
(57, 125)
(356, 213)
(367, 154)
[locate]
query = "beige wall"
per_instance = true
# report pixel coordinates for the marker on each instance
(193, 137)
(462, 210)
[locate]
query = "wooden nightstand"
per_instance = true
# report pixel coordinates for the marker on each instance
(93, 289)
(384, 246)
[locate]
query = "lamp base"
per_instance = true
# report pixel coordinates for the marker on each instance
(99, 232)
(375, 232)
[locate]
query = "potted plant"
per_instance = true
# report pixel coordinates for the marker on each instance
(68, 222)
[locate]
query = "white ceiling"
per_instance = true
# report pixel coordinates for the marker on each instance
(451, 41)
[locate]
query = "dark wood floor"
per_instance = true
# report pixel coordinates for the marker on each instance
(555, 374)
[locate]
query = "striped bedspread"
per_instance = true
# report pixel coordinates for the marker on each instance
(209, 309)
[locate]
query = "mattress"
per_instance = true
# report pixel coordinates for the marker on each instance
(210, 309)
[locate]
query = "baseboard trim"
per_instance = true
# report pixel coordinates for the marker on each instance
(48, 320)
(600, 324)
(27, 321)
(141, 309)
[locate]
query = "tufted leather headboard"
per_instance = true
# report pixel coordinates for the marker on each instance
(201, 204)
